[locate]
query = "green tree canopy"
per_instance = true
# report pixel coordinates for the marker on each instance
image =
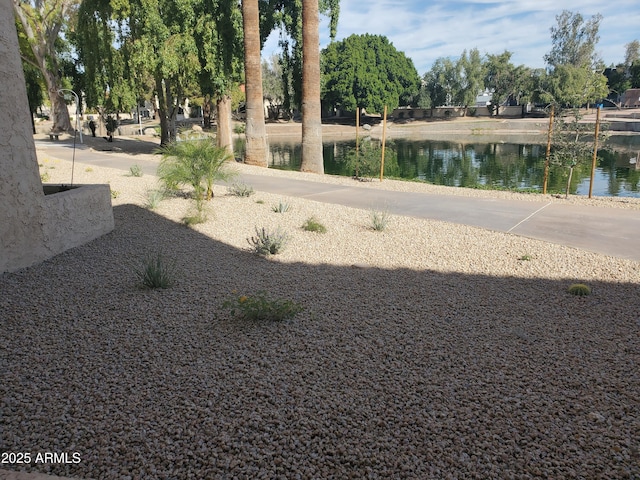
(42, 22)
(470, 78)
(367, 71)
(507, 82)
(174, 47)
(571, 86)
(574, 40)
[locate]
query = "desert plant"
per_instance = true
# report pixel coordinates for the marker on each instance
(198, 215)
(313, 225)
(379, 220)
(194, 219)
(198, 163)
(260, 202)
(156, 272)
(115, 193)
(135, 171)
(572, 142)
(260, 307)
(88, 169)
(44, 177)
(240, 190)
(281, 207)
(153, 198)
(365, 162)
(268, 243)
(524, 258)
(579, 289)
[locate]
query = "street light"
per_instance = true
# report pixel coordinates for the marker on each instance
(61, 92)
(66, 97)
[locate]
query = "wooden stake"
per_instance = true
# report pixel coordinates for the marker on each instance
(384, 138)
(595, 151)
(357, 127)
(545, 177)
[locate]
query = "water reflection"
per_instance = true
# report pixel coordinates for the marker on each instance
(482, 165)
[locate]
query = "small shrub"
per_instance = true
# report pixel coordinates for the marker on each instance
(268, 243)
(198, 216)
(260, 202)
(260, 307)
(281, 207)
(313, 225)
(88, 169)
(135, 171)
(579, 289)
(194, 219)
(153, 198)
(44, 177)
(115, 193)
(156, 272)
(239, 128)
(524, 258)
(240, 190)
(379, 220)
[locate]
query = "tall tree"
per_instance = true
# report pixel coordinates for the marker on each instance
(43, 21)
(471, 78)
(436, 88)
(500, 75)
(154, 36)
(287, 16)
(632, 53)
(256, 148)
(367, 71)
(219, 38)
(574, 41)
(273, 86)
(571, 86)
(312, 160)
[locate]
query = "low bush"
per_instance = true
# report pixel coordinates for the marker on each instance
(579, 289)
(153, 198)
(281, 207)
(155, 272)
(260, 307)
(379, 220)
(268, 243)
(135, 171)
(240, 190)
(313, 225)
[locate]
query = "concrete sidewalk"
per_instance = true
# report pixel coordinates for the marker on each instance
(610, 231)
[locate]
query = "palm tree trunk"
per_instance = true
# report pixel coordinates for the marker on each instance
(223, 119)
(256, 148)
(312, 160)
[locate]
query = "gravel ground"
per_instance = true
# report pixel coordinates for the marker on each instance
(427, 350)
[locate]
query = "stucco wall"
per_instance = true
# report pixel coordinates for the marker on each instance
(34, 227)
(76, 217)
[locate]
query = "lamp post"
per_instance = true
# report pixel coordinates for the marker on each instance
(61, 92)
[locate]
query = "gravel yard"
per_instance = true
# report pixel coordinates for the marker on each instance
(428, 350)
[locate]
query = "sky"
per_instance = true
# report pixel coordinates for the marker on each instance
(427, 30)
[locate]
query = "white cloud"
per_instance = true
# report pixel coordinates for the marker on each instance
(426, 31)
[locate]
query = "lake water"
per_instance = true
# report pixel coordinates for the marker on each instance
(481, 165)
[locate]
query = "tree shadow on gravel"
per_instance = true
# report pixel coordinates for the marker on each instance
(386, 373)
